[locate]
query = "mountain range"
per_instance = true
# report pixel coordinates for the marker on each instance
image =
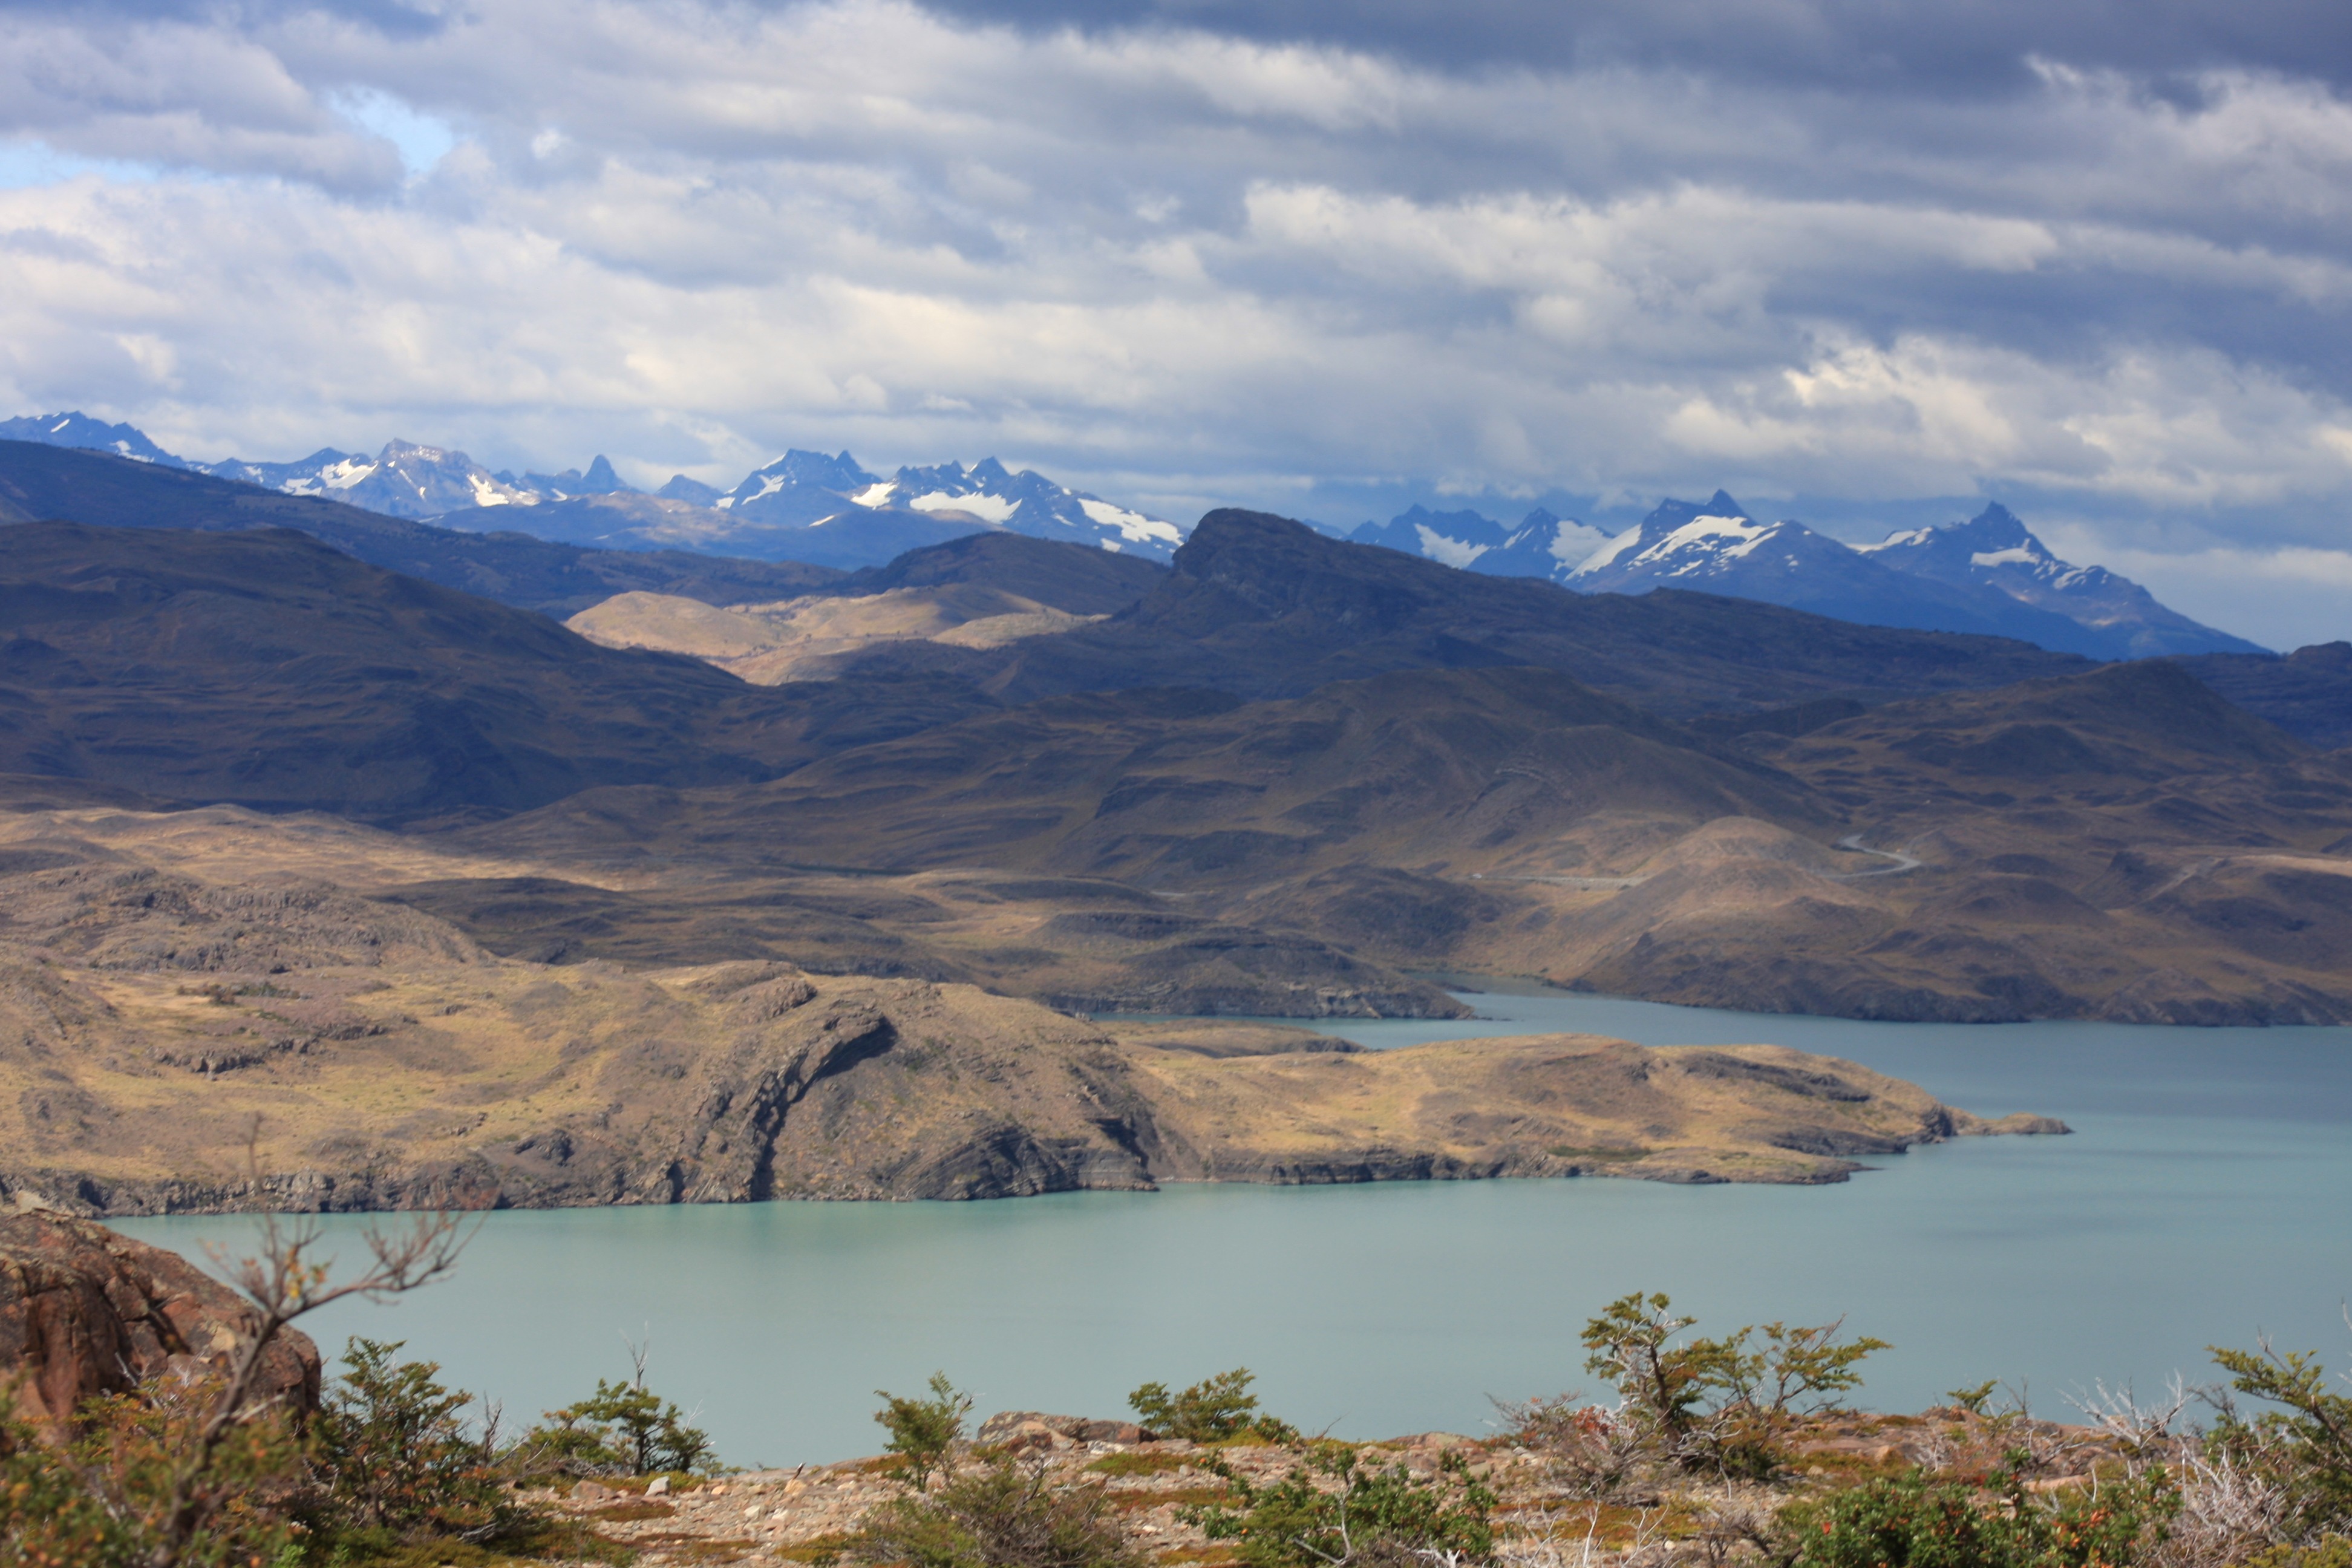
(478, 907)
(1988, 574)
(1281, 772)
(803, 507)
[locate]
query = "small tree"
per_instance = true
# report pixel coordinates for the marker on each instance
(1719, 1404)
(284, 1284)
(393, 1449)
(923, 1431)
(623, 1427)
(1210, 1411)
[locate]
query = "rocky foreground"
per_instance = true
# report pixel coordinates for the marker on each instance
(1544, 1518)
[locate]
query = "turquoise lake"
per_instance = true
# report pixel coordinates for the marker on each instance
(2205, 1197)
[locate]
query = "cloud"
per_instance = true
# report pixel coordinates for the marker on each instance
(2104, 264)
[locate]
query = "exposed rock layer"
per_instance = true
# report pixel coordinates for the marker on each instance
(84, 1312)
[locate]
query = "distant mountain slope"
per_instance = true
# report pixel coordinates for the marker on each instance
(263, 667)
(1025, 502)
(1718, 548)
(1187, 788)
(1261, 607)
(776, 513)
(1082, 582)
(1988, 575)
(2118, 844)
(79, 430)
(1995, 550)
(2307, 693)
(1542, 545)
(41, 483)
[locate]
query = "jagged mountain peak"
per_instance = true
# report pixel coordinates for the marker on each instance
(1692, 542)
(1025, 502)
(840, 474)
(77, 429)
(1995, 548)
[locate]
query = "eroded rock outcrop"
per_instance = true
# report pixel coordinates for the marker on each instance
(84, 1312)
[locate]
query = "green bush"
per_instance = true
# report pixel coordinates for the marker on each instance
(923, 1431)
(1374, 1516)
(1721, 1406)
(622, 1428)
(390, 1451)
(1001, 1516)
(1211, 1411)
(102, 1499)
(1911, 1521)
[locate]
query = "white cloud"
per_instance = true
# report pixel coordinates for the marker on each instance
(1171, 265)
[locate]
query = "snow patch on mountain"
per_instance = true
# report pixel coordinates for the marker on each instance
(998, 510)
(1542, 545)
(1453, 552)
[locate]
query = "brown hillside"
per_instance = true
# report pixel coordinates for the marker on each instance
(41, 483)
(150, 1022)
(1261, 607)
(266, 669)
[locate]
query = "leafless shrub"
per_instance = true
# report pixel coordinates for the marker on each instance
(2229, 1512)
(1571, 1538)
(1588, 1451)
(2139, 1430)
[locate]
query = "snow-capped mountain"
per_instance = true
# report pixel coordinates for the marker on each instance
(1718, 548)
(769, 515)
(1988, 575)
(402, 480)
(79, 430)
(1542, 545)
(1996, 549)
(798, 490)
(1025, 502)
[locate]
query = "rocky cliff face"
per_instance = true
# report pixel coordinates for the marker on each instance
(85, 1312)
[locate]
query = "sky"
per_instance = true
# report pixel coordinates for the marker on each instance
(1858, 261)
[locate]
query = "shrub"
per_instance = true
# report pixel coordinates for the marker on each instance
(1911, 1521)
(1595, 1453)
(2305, 1446)
(1374, 1517)
(1002, 1516)
(622, 1428)
(1717, 1404)
(392, 1454)
(923, 1431)
(1211, 1411)
(107, 1497)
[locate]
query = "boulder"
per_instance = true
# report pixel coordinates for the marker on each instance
(84, 1311)
(1035, 1428)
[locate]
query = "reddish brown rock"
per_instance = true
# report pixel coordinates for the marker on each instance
(84, 1311)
